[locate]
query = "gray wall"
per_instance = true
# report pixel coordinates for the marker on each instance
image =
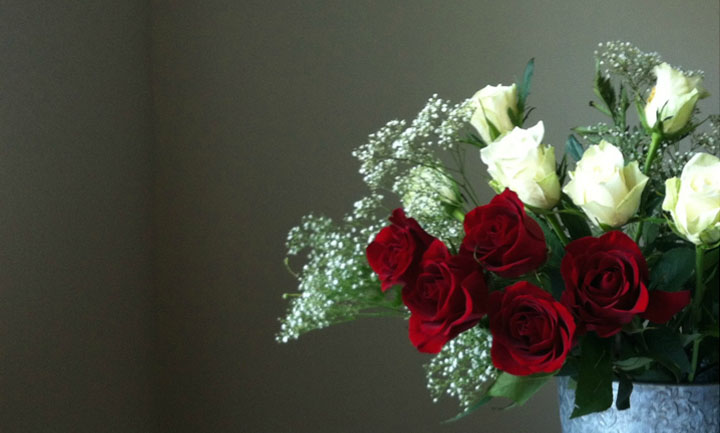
(152, 161)
(76, 296)
(259, 105)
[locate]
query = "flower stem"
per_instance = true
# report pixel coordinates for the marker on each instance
(693, 368)
(696, 308)
(699, 285)
(654, 143)
(552, 219)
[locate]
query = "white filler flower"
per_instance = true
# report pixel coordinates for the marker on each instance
(520, 162)
(694, 200)
(606, 189)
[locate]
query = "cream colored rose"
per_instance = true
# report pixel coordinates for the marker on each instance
(492, 103)
(519, 161)
(606, 189)
(694, 200)
(674, 97)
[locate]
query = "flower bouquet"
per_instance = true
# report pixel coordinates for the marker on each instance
(600, 265)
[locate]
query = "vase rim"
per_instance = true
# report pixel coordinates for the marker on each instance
(659, 384)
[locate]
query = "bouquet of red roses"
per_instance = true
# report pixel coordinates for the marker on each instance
(611, 277)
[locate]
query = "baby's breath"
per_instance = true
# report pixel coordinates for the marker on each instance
(463, 369)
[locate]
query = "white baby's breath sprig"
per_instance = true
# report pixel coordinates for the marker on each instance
(463, 369)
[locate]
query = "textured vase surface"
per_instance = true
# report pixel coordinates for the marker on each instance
(654, 408)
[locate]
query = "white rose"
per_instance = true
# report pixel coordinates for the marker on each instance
(492, 103)
(520, 162)
(694, 200)
(674, 97)
(606, 189)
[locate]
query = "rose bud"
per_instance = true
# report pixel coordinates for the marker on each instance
(532, 332)
(491, 105)
(395, 253)
(673, 98)
(502, 238)
(448, 297)
(519, 161)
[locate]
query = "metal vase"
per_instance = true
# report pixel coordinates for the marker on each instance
(654, 408)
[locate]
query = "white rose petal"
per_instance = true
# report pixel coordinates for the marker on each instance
(491, 104)
(519, 161)
(606, 189)
(693, 200)
(673, 97)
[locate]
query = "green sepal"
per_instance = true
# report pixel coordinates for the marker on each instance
(494, 132)
(574, 148)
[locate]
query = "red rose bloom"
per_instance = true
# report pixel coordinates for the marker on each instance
(395, 253)
(503, 238)
(448, 297)
(606, 285)
(532, 332)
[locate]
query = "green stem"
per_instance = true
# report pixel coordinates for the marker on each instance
(638, 233)
(655, 142)
(699, 285)
(693, 368)
(552, 219)
(696, 308)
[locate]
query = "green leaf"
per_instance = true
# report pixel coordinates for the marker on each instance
(524, 86)
(557, 284)
(633, 363)
(604, 90)
(666, 346)
(711, 259)
(474, 140)
(574, 148)
(674, 268)
(625, 387)
(570, 368)
(555, 247)
(469, 410)
(518, 388)
(594, 389)
(650, 232)
(576, 225)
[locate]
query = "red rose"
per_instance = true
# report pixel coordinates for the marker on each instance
(448, 297)
(395, 253)
(532, 332)
(503, 238)
(606, 285)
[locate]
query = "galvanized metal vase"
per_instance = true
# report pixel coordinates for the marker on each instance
(654, 408)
